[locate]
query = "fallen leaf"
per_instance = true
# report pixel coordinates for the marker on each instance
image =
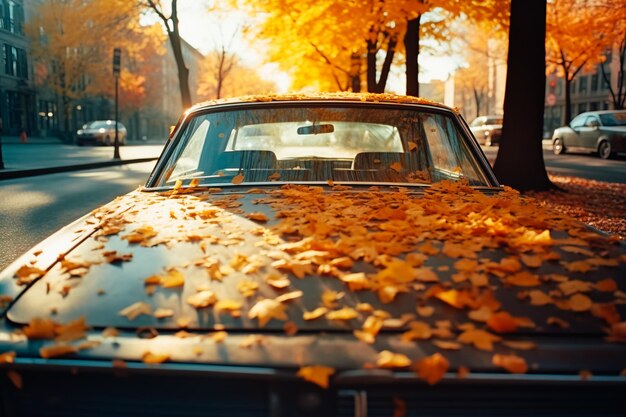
(56, 350)
(238, 179)
(512, 363)
(202, 299)
(480, 339)
(267, 309)
(135, 310)
(432, 368)
(315, 314)
(316, 374)
(7, 357)
(16, 379)
(502, 322)
(388, 359)
(40, 328)
(154, 358)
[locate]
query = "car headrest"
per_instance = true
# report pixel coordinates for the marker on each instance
(383, 160)
(246, 159)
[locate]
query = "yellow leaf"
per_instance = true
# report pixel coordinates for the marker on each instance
(388, 359)
(267, 309)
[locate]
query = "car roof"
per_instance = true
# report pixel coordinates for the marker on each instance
(317, 97)
(598, 112)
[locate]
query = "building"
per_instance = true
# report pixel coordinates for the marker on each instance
(589, 92)
(163, 104)
(17, 95)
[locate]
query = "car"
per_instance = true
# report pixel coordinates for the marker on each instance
(487, 129)
(317, 255)
(603, 132)
(100, 132)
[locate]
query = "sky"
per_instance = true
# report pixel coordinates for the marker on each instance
(205, 30)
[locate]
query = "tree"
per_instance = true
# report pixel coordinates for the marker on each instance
(171, 23)
(69, 58)
(578, 34)
(618, 94)
(519, 162)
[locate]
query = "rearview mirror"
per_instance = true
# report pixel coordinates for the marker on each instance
(316, 129)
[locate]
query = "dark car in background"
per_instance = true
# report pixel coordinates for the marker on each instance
(603, 132)
(100, 132)
(487, 129)
(342, 255)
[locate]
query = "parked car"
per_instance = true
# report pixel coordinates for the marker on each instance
(323, 255)
(603, 132)
(487, 129)
(100, 132)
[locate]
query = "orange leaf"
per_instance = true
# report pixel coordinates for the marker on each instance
(580, 302)
(512, 363)
(56, 350)
(502, 322)
(315, 314)
(480, 339)
(316, 374)
(237, 179)
(39, 328)
(202, 299)
(432, 368)
(524, 279)
(387, 359)
(149, 357)
(607, 285)
(257, 217)
(267, 309)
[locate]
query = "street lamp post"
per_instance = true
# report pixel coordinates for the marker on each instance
(117, 59)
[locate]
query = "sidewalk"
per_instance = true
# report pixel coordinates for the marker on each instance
(40, 156)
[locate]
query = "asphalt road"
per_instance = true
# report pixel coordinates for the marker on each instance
(578, 165)
(33, 208)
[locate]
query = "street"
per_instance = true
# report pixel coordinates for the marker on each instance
(33, 208)
(578, 165)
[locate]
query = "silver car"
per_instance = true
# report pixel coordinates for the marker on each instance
(487, 129)
(100, 132)
(603, 132)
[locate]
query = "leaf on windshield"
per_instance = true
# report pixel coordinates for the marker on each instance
(277, 280)
(73, 330)
(247, 288)
(141, 235)
(316, 374)
(238, 179)
(231, 306)
(432, 368)
(512, 363)
(163, 313)
(343, 314)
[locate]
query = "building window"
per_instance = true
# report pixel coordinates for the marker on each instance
(582, 107)
(594, 82)
(11, 16)
(582, 86)
(15, 62)
(593, 106)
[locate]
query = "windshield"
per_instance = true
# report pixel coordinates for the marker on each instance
(99, 124)
(320, 144)
(613, 119)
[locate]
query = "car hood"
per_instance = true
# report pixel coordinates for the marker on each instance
(325, 259)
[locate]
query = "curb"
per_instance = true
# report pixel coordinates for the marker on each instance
(8, 175)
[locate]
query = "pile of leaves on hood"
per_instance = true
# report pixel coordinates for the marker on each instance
(447, 246)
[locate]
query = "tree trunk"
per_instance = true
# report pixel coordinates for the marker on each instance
(568, 99)
(520, 163)
(371, 67)
(355, 72)
(384, 71)
(412, 48)
(183, 71)
(477, 100)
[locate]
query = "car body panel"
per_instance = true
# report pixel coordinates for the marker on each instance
(586, 132)
(100, 132)
(385, 251)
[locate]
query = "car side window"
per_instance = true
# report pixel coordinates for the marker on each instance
(578, 122)
(591, 121)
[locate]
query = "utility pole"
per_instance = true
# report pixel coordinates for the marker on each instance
(117, 61)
